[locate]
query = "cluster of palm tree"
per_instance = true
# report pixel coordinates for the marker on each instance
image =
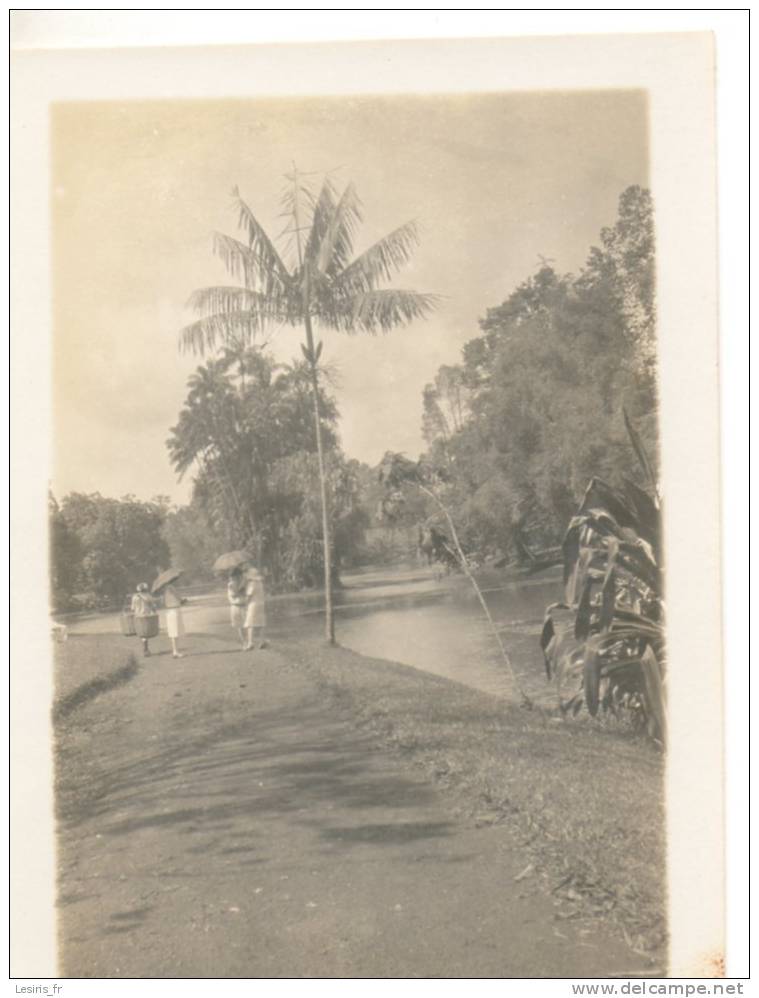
(246, 422)
(324, 287)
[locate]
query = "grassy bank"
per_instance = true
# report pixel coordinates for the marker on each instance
(586, 804)
(86, 665)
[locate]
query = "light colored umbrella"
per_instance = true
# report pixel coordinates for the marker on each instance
(170, 575)
(232, 559)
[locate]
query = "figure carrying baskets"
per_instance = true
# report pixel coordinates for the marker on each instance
(145, 616)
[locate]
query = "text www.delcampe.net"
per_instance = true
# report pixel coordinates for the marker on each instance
(657, 988)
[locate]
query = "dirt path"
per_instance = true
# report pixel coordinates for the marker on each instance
(219, 819)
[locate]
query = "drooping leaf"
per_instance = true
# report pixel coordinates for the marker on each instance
(591, 677)
(547, 632)
(269, 265)
(608, 590)
(377, 311)
(586, 566)
(570, 548)
(582, 620)
(336, 245)
(212, 331)
(549, 653)
(648, 513)
(244, 264)
(640, 452)
(654, 691)
(601, 496)
(378, 263)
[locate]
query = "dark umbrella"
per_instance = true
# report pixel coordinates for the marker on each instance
(232, 559)
(170, 575)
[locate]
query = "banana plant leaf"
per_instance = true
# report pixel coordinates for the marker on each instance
(589, 566)
(648, 513)
(654, 692)
(600, 495)
(584, 612)
(632, 617)
(609, 588)
(613, 584)
(591, 677)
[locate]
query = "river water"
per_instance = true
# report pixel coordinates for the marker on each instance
(409, 615)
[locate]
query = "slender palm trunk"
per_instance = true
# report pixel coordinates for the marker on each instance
(329, 620)
(526, 701)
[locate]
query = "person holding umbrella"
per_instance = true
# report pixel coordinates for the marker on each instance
(233, 563)
(172, 601)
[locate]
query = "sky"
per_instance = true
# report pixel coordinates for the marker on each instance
(496, 182)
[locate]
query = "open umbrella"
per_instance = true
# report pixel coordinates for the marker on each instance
(170, 575)
(232, 559)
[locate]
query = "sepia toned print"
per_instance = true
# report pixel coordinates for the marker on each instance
(356, 557)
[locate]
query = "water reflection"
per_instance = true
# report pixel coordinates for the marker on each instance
(441, 628)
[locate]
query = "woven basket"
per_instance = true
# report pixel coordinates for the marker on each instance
(127, 624)
(146, 627)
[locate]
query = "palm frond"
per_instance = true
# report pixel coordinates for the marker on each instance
(323, 213)
(290, 192)
(379, 262)
(259, 243)
(240, 261)
(336, 246)
(226, 300)
(243, 263)
(220, 328)
(379, 311)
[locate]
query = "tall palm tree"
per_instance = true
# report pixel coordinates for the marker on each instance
(324, 287)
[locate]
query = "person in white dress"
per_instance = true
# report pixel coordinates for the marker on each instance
(172, 601)
(238, 602)
(255, 612)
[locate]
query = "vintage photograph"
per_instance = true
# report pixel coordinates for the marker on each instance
(355, 546)
(360, 617)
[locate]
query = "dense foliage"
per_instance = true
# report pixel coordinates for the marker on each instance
(246, 430)
(101, 548)
(535, 408)
(610, 652)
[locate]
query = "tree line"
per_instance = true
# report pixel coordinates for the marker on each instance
(536, 406)
(100, 548)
